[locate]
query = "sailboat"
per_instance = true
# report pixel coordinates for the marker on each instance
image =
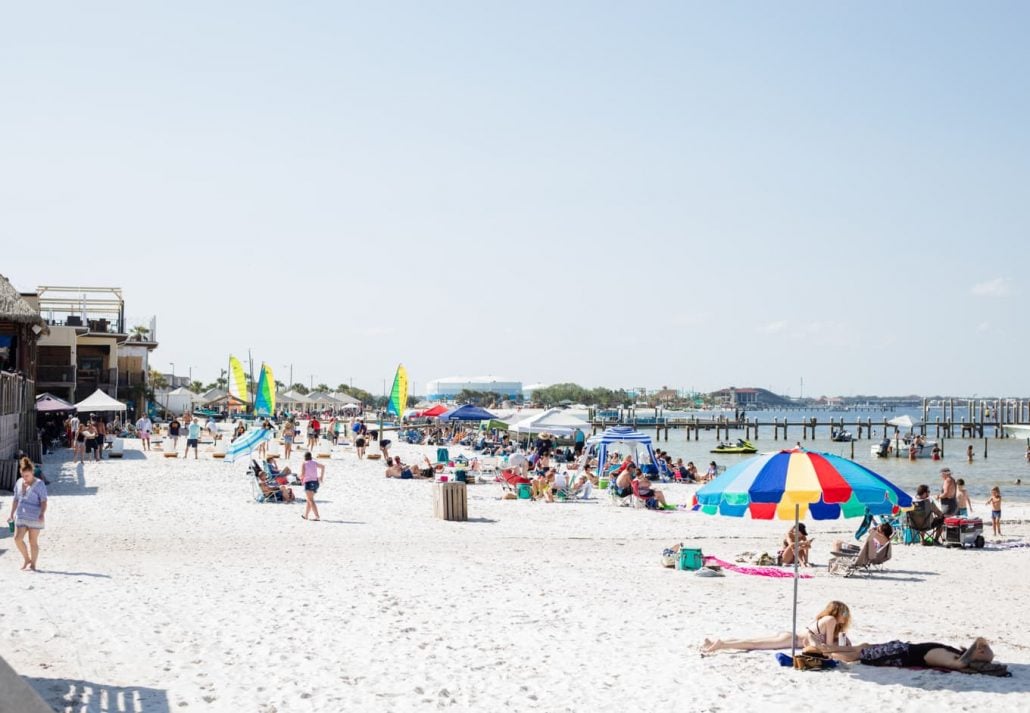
(398, 402)
(264, 397)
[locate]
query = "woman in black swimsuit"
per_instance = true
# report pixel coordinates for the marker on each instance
(904, 654)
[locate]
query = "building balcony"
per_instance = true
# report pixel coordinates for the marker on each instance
(55, 375)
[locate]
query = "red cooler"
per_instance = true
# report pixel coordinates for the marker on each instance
(963, 532)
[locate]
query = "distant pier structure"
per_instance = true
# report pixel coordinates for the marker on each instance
(958, 418)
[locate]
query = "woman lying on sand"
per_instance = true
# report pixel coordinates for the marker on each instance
(904, 654)
(831, 621)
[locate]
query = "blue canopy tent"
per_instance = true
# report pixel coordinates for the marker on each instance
(626, 435)
(467, 413)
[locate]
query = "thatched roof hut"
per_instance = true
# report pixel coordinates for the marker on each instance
(14, 308)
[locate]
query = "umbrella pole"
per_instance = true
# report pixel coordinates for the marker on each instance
(794, 627)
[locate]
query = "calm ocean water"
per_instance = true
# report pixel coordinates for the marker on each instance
(1004, 464)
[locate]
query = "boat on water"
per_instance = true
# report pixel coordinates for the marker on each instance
(910, 446)
(741, 446)
(1016, 430)
(841, 436)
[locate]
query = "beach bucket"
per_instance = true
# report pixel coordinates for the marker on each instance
(602, 484)
(459, 476)
(443, 478)
(690, 559)
(525, 492)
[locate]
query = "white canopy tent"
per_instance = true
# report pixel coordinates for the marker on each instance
(99, 401)
(554, 421)
(178, 400)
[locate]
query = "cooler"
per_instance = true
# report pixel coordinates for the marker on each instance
(963, 532)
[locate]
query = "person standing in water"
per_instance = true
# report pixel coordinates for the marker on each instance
(311, 475)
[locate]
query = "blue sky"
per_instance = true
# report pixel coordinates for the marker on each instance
(683, 194)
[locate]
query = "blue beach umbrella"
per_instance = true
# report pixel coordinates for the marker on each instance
(786, 485)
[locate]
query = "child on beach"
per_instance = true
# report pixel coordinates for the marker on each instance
(965, 506)
(995, 502)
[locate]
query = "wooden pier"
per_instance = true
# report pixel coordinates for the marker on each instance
(980, 419)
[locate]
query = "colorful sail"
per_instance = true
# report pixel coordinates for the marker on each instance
(238, 381)
(264, 399)
(399, 394)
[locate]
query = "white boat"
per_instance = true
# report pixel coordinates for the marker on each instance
(907, 447)
(1016, 430)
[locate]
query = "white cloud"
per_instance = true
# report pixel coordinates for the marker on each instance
(773, 327)
(997, 287)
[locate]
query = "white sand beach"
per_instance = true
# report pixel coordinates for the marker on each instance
(165, 587)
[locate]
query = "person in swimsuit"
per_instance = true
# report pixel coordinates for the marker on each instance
(28, 512)
(624, 483)
(830, 624)
(653, 499)
(965, 506)
(995, 502)
(289, 434)
(947, 496)
(804, 545)
(311, 475)
(905, 654)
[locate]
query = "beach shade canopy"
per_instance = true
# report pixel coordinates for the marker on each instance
(494, 424)
(99, 401)
(433, 411)
(902, 422)
(824, 485)
(48, 403)
(554, 421)
(788, 484)
(467, 413)
(622, 436)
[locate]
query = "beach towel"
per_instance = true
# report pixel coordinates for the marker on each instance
(754, 570)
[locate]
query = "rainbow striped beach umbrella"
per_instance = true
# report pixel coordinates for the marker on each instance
(791, 484)
(788, 485)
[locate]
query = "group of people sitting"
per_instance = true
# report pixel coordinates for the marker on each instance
(396, 469)
(827, 636)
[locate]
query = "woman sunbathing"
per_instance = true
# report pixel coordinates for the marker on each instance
(828, 625)
(880, 536)
(904, 654)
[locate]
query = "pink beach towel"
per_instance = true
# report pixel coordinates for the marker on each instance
(754, 569)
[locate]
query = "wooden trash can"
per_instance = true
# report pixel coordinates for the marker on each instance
(450, 501)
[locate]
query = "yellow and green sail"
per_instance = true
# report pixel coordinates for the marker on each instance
(399, 394)
(238, 381)
(264, 399)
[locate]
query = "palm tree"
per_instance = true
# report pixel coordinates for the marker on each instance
(323, 388)
(279, 386)
(157, 380)
(196, 387)
(139, 332)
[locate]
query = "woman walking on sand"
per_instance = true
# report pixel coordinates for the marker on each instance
(311, 474)
(28, 510)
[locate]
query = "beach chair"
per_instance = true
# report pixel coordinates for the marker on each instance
(621, 501)
(117, 448)
(488, 465)
(221, 446)
(922, 524)
(263, 492)
(866, 559)
(510, 480)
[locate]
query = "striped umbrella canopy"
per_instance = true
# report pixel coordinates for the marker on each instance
(823, 485)
(788, 485)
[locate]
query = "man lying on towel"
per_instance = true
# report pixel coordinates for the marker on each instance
(978, 658)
